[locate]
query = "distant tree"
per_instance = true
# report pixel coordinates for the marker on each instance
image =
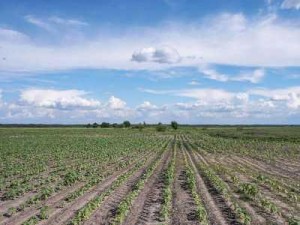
(95, 125)
(89, 125)
(104, 125)
(126, 123)
(239, 128)
(160, 127)
(115, 125)
(139, 126)
(174, 125)
(144, 123)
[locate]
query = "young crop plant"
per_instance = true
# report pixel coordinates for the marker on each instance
(126, 203)
(85, 212)
(31, 221)
(241, 213)
(167, 192)
(44, 213)
(201, 213)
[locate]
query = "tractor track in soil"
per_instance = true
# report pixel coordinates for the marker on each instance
(184, 207)
(107, 210)
(147, 205)
(62, 215)
(219, 211)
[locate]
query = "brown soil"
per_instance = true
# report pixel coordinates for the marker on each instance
(107, 210)
(62, 215)
(184, 207)
(146, 207)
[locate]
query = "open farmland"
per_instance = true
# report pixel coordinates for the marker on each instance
(194, 175)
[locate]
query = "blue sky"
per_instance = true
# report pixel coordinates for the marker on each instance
(197, 62)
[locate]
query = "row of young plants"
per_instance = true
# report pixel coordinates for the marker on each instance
(94, 180)
(43, 215)
(126, 204)
(260, 149)
(252, 192)
(26, 157)
(168, 178)
(241, 213)
(72, 176)
(201, 212)
(85, 212)
(72, 196)
(287, 192)
(208, 173)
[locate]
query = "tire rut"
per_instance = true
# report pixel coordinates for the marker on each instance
(146, 206)
(60, 216)
(183, 210)
(107, 210)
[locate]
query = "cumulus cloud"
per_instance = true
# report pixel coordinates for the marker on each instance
(291, 4)
(159, 55)
(147, 106)
(228, 39)
(290, 96)
(254, 76)
(63, 99)
(116, 103)
(203, 105)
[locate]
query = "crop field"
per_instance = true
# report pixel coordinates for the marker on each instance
(192, 175)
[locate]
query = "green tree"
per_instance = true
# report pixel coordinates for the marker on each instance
(160, 127)
(95, 125)
(105, 125)
(126, 123)
(174, 125)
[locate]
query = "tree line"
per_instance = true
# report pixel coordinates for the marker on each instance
(126, 124)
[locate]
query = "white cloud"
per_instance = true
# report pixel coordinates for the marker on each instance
(8, 35)
(203, 106)
(290, 96)
(206, 96)
(116, 103)
(164, 54)
(194, 83)
(62, 99)
(62, 21)
(229, 39)
(51, 23)
(147, 106)
(290, 4)
(38, 22)
(254, 76)
(1, 98)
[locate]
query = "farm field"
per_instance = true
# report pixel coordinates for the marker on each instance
(193, 175)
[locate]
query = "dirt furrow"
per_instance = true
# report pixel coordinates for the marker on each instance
(107, 210)
(61, 215)
(264, 168)
(254, 208)
(183, 210)
(215, 215)
(29, 212)
(146, 207)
